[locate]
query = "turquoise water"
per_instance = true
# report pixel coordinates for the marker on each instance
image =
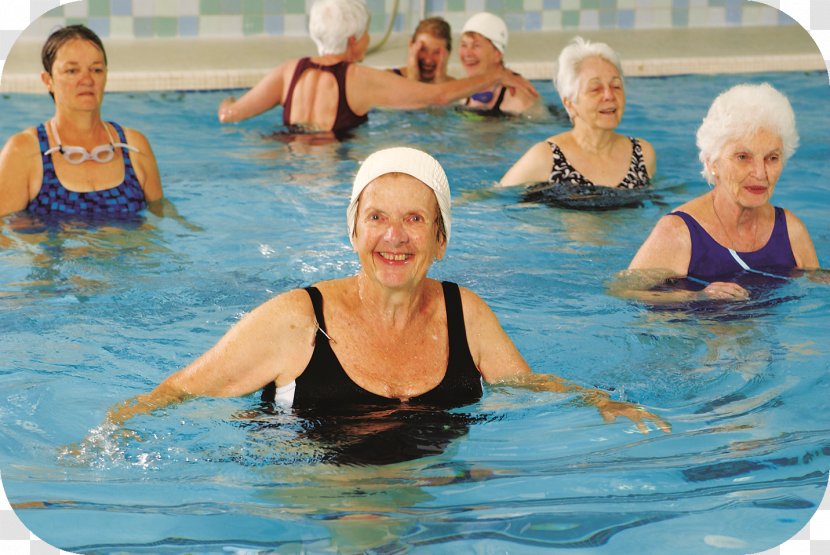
(94, 313)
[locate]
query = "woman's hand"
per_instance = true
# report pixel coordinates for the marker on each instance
(516, 82)
(225, 112)
(611, 410)
(725, 291)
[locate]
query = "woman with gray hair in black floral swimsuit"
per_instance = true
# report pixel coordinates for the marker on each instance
(591, 154)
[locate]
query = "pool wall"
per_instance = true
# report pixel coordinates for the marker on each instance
(212, 18)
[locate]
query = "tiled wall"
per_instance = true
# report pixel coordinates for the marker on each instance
(190, 18)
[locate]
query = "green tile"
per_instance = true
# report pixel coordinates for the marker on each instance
(76, 21)
(590, 4)
(166, 26)
(99, 8)
(253, 24)
(252, 7)
(570, 19)
(456, 5)
(210, 7)
(514, 6)
(295, 6)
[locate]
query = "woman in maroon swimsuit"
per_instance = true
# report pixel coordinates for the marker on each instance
(331, 92)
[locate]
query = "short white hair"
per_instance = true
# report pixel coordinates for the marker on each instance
(742, 111)
(566, 74)
(332, 22)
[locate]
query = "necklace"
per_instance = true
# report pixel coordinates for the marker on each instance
(733, 245)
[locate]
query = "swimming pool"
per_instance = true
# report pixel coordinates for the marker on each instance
(95, 313)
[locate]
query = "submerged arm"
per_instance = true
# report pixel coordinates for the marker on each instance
(501, 363)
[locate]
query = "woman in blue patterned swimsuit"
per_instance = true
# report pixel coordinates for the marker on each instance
(76, 163)
(590, 82)
(744, 142)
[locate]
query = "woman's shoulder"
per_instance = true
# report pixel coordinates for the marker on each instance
(23, 143)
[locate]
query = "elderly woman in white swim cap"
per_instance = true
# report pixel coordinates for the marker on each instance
(590, 83)
(744, 141)
(332, 92)
(386, 336)
(482, 49)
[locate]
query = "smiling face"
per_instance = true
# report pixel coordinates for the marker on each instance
(749, 168)
(600, 102)
(478, 55)
(78, 76)
(433, 50)
(396, 232)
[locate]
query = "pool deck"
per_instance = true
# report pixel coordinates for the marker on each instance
(186, 64)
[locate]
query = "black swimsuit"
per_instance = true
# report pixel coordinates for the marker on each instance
(324, 383)
(563, 172)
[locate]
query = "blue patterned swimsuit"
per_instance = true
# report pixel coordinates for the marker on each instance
(53, 198)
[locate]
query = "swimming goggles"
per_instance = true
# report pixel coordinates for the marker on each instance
(78, 154)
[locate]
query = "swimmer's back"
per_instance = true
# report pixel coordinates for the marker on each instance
(316, 96)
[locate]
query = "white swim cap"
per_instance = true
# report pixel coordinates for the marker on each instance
(410, 161)
(489, 26)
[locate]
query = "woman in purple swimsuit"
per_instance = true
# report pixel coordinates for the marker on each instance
(76, 163)
(388, 336)
(744, 141)
(331, 92)
(590, 83)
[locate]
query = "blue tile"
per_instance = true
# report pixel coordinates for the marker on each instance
(679, 18)
(625, 19)
(607, 19)
(533, 21)
(552, 4)
(189, 26)
(680, 4)
(274, 24)
(436, 6)
(734, 12)
(121, 7)
(101, 26)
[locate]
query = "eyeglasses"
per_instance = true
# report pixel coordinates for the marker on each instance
(78, 154)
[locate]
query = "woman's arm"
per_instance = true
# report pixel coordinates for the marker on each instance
(368, 88)
(272, 343)
(533, 167)
(803, 249)
(146, 167)
(18, 160)
(649, 157)
(262, 97)
(500, 362)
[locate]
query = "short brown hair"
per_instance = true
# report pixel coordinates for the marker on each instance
(437, 27)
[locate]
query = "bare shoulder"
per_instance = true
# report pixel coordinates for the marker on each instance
(24, 142)
(474, 307)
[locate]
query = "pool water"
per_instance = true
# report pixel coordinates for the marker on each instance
(96, 312)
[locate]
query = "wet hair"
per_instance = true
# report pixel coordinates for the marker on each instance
(63, 35)
(436, 27)
(332, 22)
(741, 111)
(60, 37)
(566, 75)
